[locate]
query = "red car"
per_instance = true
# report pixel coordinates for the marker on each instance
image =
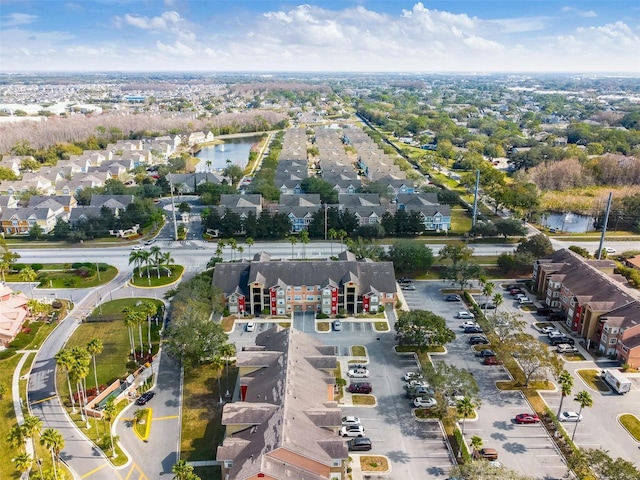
(492, 361)
(527, 418)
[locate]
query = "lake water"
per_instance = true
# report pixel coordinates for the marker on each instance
(236, 150)
(569, 222)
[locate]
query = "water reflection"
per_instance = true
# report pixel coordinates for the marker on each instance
(217, 157)
(569, 222)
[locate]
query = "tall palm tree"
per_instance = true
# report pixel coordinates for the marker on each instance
(109, 413)
(137, 257)
(585, 400)
(342, 234)
(217, 363)
(156, 253)
(497, 300)
(149, 309)
(227, 350)
(65, 361)
(148, 261)
(32, 427)
(79, 373)
(94, 347)
(129, 322)
(167, 260)
(233, 245)
(476, 442)
(240, 251)
(53, 441)
(304, 239)
(487, 290)
(566, 384)
(22, 462)
(465, 408)
(27, 274)
(182, 470)
(249, 241)
(5, 266)
(333, 234)
(293, 239)
(220, 248)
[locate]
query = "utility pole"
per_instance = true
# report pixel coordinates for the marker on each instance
(325, 221)
(475, 199)
(173, 210)
(604, 225)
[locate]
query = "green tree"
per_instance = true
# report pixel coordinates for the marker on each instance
(304, 240)
(53, 441)
(600, 462)
(65, 361)
(137, 257)
(182, 471)
(32, 427)
(408, 256)
(476, 442)
(155, 253)
(27, 274)
(537, 246)
(3, 390)
(456, 251)
(15, 437)
(533, 356)
(227, 351)
(135, 318)
(35, 232)
(482, 470)
(22, 462)
(109, 414)
(149, 309)
(506, 324)
(465, 408)
(332, 234)
(510, 227)
(422, 329)
(194, 338)
(565, 380)
(94, 347)
(462, 273)
(497, 300)
(293, 239)
(585, 400)
(249, 241)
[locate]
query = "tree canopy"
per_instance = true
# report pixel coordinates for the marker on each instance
(423, 329)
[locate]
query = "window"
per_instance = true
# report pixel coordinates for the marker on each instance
(297, 298)
(288, 298)
(310, 298)
(606, 328)
(297, 289)
(613, 341)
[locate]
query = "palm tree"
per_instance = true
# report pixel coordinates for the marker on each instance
(333, 234)
(149, 309)
(249, 241)
(220, 248)
(79, 372)
(217, 363)
(94, 347)
(138, 415)
(487, 290)
(132, 318)
(109, 413)
(227, 350)
(233, 245)
(156, 253)
(585, 400)
(15, 437)
(65, 360)
(166, 259)
(137, 257)
(5, 266)
(304, 239)
(53, 440)
(31, 427)
(147, 260)
(497, 300)
(27, 274)
(476, 442)
(341, 235)
(240, 251)
(22, 462)
(129, 323)
(182, 470)
(566, 384)
(293, 239)
(465, 408)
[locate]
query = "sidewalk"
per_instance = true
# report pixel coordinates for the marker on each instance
(17, 401)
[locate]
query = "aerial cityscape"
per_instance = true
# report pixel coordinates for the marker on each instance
(333, 240)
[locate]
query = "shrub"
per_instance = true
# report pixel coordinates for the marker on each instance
(76, 265)
(7, 353)
(132, 365)
(37, 267)
(18, 267)
(83, 272)
(322, 316)
(381, 309)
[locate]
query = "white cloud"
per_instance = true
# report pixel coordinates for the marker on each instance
(164, 22)
(177, 49)
(14, 19)
(580, 13)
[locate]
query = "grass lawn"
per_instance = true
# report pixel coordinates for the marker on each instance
(7, 419)
(592, 378)
(62, 276)
(153, 281)
(374, 463)
(358, 351)
(460, 221)
(364, 400)
(632, 424)
(202, 431)
(323, 326)
(381, 326)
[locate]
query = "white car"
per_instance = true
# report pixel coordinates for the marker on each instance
(555, 334)
(251, 326)
(525, 301)
(469, 324)
(548, 329)
(423, 402)
(412, 376)
(566, 348)
(358, 373)
(465, 315)
(136, 247)
(609, 250)
(350, 421)
(352, 431)
(569, 417)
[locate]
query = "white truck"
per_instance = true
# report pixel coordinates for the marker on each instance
(617, 381)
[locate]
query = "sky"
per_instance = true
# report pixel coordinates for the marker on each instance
(471, 36)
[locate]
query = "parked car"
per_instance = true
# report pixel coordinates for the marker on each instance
(415, 383)
(360, 387)
(548, 329)
(404, 280)
(465, 315)
(412, 376)
(486, 454)
(350, 420)
(337, 325)
(555, 341)
(486, 353)
(515, 291)
(420, 391)
(569, 417)
(358, 373)
(566, 348)
(473, 329)
(492, 361)
(478, 340)
(145, 397)
(408, 287)
(469, 323)
(352, 431)
(359, 444)
(452, 298)
(525, 301)
(527, 418)
(250, 327)
(556, 334)
(487, 306)
(424, 402)
(555, 316)
(543, 311)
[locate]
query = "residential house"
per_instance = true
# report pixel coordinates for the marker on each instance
(13, 163)
(20, 220)
(433, 216)
(284, 424)
(619, 332)
(13, 313)
(286, 287)
(115, 203)
(187, 183)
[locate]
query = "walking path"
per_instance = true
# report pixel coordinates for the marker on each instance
(17, 401)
